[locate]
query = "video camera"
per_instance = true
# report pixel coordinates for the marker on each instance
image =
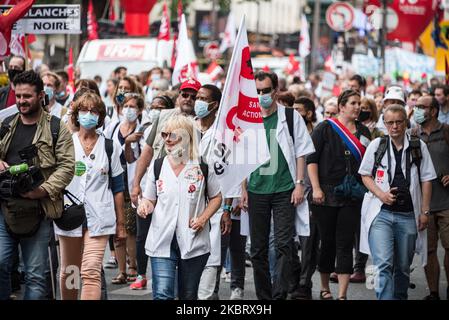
(21, 178)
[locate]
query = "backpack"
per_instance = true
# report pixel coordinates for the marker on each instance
(203, 166)
(414, 149)
(55, 123)
(109, 146)
(290, 123)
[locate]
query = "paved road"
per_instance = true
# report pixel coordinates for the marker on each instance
(355, 292)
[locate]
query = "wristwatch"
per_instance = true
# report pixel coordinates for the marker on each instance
(427, 212)
(301, 182)
(227, 207)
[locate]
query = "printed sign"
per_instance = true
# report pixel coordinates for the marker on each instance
(48, 19)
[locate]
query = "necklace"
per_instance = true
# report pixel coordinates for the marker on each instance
(88, 147)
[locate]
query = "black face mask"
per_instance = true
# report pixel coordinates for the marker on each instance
(305, 119)
(364, 115)
(12, 73)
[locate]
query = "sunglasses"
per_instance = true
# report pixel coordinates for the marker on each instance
(264, 90)
(186, 95)
(169, 136)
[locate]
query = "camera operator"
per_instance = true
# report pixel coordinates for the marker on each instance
(29, 213)
(397, 170)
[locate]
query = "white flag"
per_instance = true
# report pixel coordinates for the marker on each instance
(186, 66)
(229, 35)
(239, 131)
(304, 38)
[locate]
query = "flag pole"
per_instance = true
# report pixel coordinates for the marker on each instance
(25, 39)
(217, 116)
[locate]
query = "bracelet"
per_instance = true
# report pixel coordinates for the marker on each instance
(227, 207)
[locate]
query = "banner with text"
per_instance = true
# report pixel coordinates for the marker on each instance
(48, 19)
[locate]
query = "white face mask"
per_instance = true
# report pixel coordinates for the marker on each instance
(130, 114)
(154, 114)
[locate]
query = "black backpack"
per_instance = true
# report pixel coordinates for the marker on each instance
(415, 151)
(109, 146)
(203, 166)
(290, 123)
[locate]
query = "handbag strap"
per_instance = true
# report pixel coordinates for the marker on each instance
(70, 195)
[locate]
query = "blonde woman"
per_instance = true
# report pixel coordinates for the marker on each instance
(178, 240)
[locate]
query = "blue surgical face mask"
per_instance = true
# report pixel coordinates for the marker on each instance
(49, 92)
(60, 95)
(88, 120)
(156, 76)
(419, 115)
(201, 109)
(265, 100)
(120, 97)
(154, 114)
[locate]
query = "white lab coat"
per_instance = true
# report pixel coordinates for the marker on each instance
(303, 146)
(56, 110)
(215, 226)
(91, 188)
(175, 207)
(110, 133)
(372, 205)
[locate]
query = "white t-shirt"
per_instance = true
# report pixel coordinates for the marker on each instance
(176, 202)
(90, 185)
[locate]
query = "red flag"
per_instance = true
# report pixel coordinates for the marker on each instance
(111, 10)
(164, 30)
(92, 27)
(7, 20)
(447, 70)
(70, 70)
(292, 66)
(175, 37)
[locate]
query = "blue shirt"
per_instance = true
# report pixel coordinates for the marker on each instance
(443, 117)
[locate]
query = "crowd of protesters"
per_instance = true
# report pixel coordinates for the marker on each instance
(370, 162)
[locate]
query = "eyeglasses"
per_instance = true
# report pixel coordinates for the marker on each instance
(264, 90)
(391, 123)
(93, 111)
(169, 136)
(186, 95)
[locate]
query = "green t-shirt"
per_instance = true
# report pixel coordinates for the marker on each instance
(274, 176)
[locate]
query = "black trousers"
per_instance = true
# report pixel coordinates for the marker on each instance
(309, 254)
(143, 225)
(236, 244)
(261, 206)
(360, 258)
(337, 227)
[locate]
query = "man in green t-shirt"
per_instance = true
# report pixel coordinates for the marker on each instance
(275, 189)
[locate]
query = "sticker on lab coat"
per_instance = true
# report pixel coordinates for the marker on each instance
(80, 168)
(380, 176)
(160, 186)
(193, 175)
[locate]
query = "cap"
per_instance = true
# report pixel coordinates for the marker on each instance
(191, 84)
(394, 93)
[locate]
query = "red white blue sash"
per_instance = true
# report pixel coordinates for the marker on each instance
(352, 143)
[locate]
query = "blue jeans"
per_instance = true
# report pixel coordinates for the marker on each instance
(35, 259)
(189, 275)
(392, 239)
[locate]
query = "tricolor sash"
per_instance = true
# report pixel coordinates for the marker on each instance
(352, 143)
